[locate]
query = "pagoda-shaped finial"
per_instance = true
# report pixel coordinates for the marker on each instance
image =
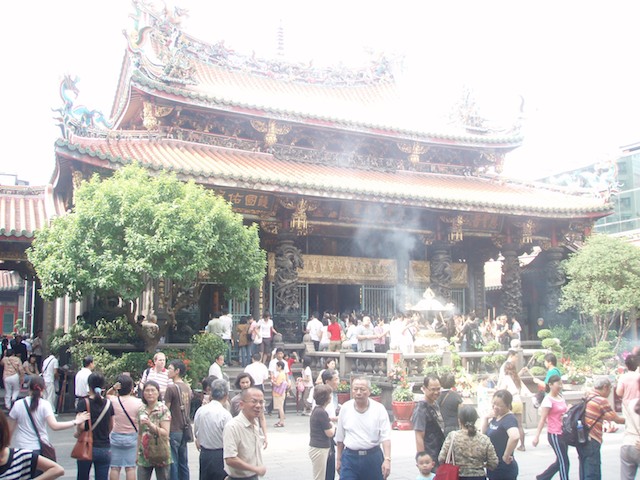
(280, 46)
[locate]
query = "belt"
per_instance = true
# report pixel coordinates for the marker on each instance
(210, 449)
(252, 477)
(371, 451)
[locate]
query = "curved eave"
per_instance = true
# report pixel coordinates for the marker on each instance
(273, 182)
(149, 86)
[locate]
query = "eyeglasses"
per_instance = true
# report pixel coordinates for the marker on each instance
(256, 402)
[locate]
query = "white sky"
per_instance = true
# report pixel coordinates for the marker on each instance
(575, 63)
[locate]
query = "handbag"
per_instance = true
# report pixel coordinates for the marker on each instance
(83, 449)
(187, 431)
(448, 470)
(46, 450)
(156, 449)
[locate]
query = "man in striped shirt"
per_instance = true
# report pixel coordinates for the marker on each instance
(158, 373)
(598, 409)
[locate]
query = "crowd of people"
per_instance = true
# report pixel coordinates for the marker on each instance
(141, 428)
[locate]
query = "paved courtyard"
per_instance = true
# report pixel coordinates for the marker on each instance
(286, 456)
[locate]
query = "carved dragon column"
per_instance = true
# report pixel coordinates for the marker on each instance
(555, 279)
(441, 270)
(511, 282)
(287, 301)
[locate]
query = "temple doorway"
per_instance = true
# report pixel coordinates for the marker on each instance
(334, 298)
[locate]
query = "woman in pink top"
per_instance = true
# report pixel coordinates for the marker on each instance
(551, 410)
(124, 436)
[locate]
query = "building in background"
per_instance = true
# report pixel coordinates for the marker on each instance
(361, 206)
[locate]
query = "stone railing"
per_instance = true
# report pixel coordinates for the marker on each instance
(378, 365)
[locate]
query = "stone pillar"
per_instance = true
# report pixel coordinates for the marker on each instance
(287, 301)
(477, 286)
(441, 270)
(554, 280)
(511, 282)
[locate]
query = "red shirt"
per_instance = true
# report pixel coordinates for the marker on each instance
(334, 332)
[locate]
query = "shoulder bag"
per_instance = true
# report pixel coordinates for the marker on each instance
(46, 450)
(187, 431)
(83, 449)
(448, 470)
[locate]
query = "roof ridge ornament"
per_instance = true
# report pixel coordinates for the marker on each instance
(73, 118)
(169, 59)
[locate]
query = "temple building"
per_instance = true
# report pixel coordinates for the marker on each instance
(361, 206)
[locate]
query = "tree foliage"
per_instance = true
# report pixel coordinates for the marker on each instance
(130, 230)
(604, 280)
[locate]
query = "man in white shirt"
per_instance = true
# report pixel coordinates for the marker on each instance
(158, 373)
(227, 326)
(214, 326)
(216, 367)
(363, 426)
(208, 428)
(314, 329)
(49, 375)
(258, 371)
(82, 377)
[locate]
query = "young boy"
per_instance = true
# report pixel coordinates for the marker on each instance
(425, 464)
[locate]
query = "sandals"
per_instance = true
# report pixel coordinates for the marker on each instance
(277, 425)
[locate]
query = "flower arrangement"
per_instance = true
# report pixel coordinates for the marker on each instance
(344, 387)
(466, 383)
(403, 390)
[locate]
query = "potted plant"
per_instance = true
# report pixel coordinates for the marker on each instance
(402, 403)
(344, 391)
(376, 392)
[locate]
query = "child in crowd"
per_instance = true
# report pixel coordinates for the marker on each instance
(425, 464)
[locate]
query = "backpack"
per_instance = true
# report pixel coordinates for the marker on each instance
(570, 421)
(474, 340)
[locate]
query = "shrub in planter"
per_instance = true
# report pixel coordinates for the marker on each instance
(402, 393)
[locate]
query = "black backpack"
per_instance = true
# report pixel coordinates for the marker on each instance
(570, 421)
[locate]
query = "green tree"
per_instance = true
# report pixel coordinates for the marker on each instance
(604, 281)
(131, 230)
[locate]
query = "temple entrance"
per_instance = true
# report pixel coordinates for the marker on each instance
(334, 298)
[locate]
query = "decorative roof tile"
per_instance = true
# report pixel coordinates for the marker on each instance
(222, 167)
(22, 211)
(10, 281)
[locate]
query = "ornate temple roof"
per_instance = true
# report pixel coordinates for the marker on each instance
(10, 281)
(223, 167)
(168, 63)
(23, 210)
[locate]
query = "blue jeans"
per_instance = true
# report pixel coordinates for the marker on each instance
(245, 355)
(101, 462)
(589, 456)
(361, 467)
(180, 465)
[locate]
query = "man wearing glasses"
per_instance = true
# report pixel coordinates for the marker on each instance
(242, 444)
(427, 419)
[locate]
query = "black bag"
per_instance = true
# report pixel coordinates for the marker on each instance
(570, 423)
(187, 433)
